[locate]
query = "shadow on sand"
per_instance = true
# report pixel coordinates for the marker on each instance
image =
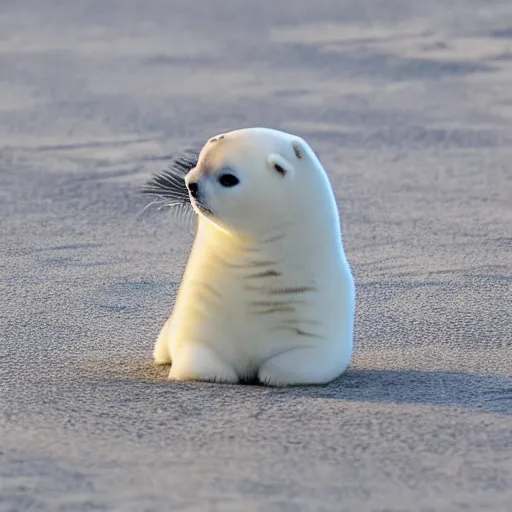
(485, 393)
(491, 394)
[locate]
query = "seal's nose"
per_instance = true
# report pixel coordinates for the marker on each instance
(192, 187)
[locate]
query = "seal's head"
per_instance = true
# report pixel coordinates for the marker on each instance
(249, 180)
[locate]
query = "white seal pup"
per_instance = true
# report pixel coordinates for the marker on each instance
(267, 291)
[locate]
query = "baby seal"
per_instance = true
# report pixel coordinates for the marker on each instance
(267, 291)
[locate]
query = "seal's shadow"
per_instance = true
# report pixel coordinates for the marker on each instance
(491, 394)
(486, 393)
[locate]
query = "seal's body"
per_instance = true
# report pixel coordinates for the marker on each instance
(267, 291)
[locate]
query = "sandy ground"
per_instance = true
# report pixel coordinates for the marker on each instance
(408, 103)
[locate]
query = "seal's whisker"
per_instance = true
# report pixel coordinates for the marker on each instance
(184, 215)
(155, 201)
(170, 183)
(172, 204)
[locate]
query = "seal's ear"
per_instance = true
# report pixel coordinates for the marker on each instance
(298, 149)
(303, 150)
(280, 165)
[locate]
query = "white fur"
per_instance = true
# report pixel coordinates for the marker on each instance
(267, 291)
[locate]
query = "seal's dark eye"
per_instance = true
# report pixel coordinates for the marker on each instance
(228, 180)
(279, 169)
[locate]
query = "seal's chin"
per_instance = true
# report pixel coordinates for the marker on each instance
(201, 208)
(209, 216)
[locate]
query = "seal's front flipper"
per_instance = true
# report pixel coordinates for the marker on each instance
(195, 361)
(303, 366)
(161, 352)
